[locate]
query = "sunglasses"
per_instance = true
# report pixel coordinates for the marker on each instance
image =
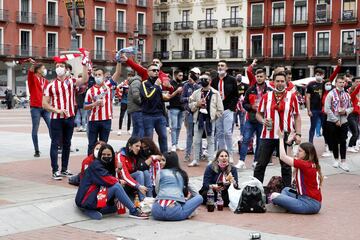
(154, 70)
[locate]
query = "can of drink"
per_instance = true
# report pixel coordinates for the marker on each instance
(269, 128)
(255, 235)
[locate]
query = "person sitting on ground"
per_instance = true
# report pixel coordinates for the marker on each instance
(99, 189)
(135, 179)
(306, 199)
(218, 176)
(171, 189)
(75, 179)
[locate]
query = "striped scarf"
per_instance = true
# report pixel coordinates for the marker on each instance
(341, 99)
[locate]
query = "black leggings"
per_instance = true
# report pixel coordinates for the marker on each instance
(338, 136)
(353, 120)
(326, 133)
(123, 108)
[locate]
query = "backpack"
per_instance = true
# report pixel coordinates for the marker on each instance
(275, 184)
(252, 197)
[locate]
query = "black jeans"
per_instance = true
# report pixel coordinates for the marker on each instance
(61, 134)
(353, 120)
(339, 137)
(266, 149)
(123, 108)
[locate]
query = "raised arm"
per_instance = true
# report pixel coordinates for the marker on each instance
(117, 73)
(336, 71)
(283, 156)
(250, 74)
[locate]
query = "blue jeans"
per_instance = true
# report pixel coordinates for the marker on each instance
(224, 130)
(117, 191)
(176, 119)
(36, 114)
(98, 130)
(81, 118)
(297, 203)
(240, 117)
(249, 130)
(316, 116)
(61, 129)
(138, 124)
(189, 124)
(198, 133)
(144, 179)
(157, 122)
(180, 211)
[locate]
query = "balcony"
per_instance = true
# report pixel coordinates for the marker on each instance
(299, 22)
(4, 15)
(277, 54)
(255, 25)
(185, 3)
(26, 51)
(322, 55)
(277, 24)
(143, 29)
(121, 27)
(100, 25)
(100, 55)
(323, 21)
(231, 53)
(51, 52)
(348, 17)
(299, 53)
(26, 17)
(53, 20)
(232, 23)
(207, 25)
(256, 53)
(181, 55)
(162, 28)
(121, 1)
(162, 55)
(141, 3)
(202, 54)
(184, 26)
(4, 49)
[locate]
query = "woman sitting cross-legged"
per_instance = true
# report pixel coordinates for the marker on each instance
(218, 176)
(171, 188)
(306, 199)
(99, 188)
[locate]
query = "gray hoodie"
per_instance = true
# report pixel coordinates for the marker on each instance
(134, 98)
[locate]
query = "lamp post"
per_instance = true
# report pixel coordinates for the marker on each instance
(140, 48)
(73, 27)
(357, 51)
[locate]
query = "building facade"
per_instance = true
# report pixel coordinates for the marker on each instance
(190, 33)
(41, 29)
(303, 34)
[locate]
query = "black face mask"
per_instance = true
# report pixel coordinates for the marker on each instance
(193, 76)
(106, 160)
(204, 82)
(146, 152)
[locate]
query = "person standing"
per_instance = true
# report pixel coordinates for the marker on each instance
(240, 111)
(134, 106)
(278, 109)
(37, 83)
(207, 107)
(176, 110)
(188, 90)
(227, 87)
(338, 106)
(314, 93)
(122, 91)
(99, 100)
(81, 118)
(353, 117)
(59, 99)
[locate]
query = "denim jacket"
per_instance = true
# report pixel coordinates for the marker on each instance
(170, 185)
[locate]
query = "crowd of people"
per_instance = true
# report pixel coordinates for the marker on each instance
(210, 103)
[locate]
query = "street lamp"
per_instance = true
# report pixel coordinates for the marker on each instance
(73, 27)
(357, 51)
(140, 48)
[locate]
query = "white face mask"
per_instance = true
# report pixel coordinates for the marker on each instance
(221, 72)
(96, 152)
(318, 78)
(44, 72)
(339, 89)
(327, 87)
(60, 71)
(99, 80)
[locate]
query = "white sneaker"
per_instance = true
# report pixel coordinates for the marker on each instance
(240, 165)
(335, 164)
(327, 154)
(119, 133)
(344, 166)
(352, 149)
(173, 148)
(193, 164)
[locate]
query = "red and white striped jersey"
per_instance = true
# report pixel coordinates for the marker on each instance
(103, 93)
(62, 96)
(166, 203)
(280, 111)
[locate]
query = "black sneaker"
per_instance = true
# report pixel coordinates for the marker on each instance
(138, 214)
(56, 176)
(66, 173)
(37, 154)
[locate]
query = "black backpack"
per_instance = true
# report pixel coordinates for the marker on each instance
(252, 200)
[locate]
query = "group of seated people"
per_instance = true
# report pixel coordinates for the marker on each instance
(109, 179)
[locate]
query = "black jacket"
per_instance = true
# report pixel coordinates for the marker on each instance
(230, 91)
(247, 105)
(175, 102)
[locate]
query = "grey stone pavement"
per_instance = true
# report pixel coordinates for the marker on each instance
(30, 200)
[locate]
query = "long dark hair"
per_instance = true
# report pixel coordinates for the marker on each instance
(130, 142)
(151, 145)
(311, 155)
(111, 165)
(172, 163)
(215, 163)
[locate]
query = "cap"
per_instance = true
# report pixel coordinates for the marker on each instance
(196, 70)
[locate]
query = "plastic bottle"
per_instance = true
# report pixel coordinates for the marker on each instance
(210, 201)
(136, 201)
(219, 202)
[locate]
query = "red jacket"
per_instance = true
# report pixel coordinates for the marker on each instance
(251, 76)
(355, 99)
(36, 89)
(86, 163)
(144, 75)
(128, 167)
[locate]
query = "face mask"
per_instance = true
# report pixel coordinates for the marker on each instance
(221, 72)
(106, 159)
(318, 78)
(327, 87)
(223, 165)
(146, 152)
(340, 89)
(60, 71)
(96, 152)
(279, 90)
(99, 80)
(44, 72)
(204, 82)
(193, 76)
